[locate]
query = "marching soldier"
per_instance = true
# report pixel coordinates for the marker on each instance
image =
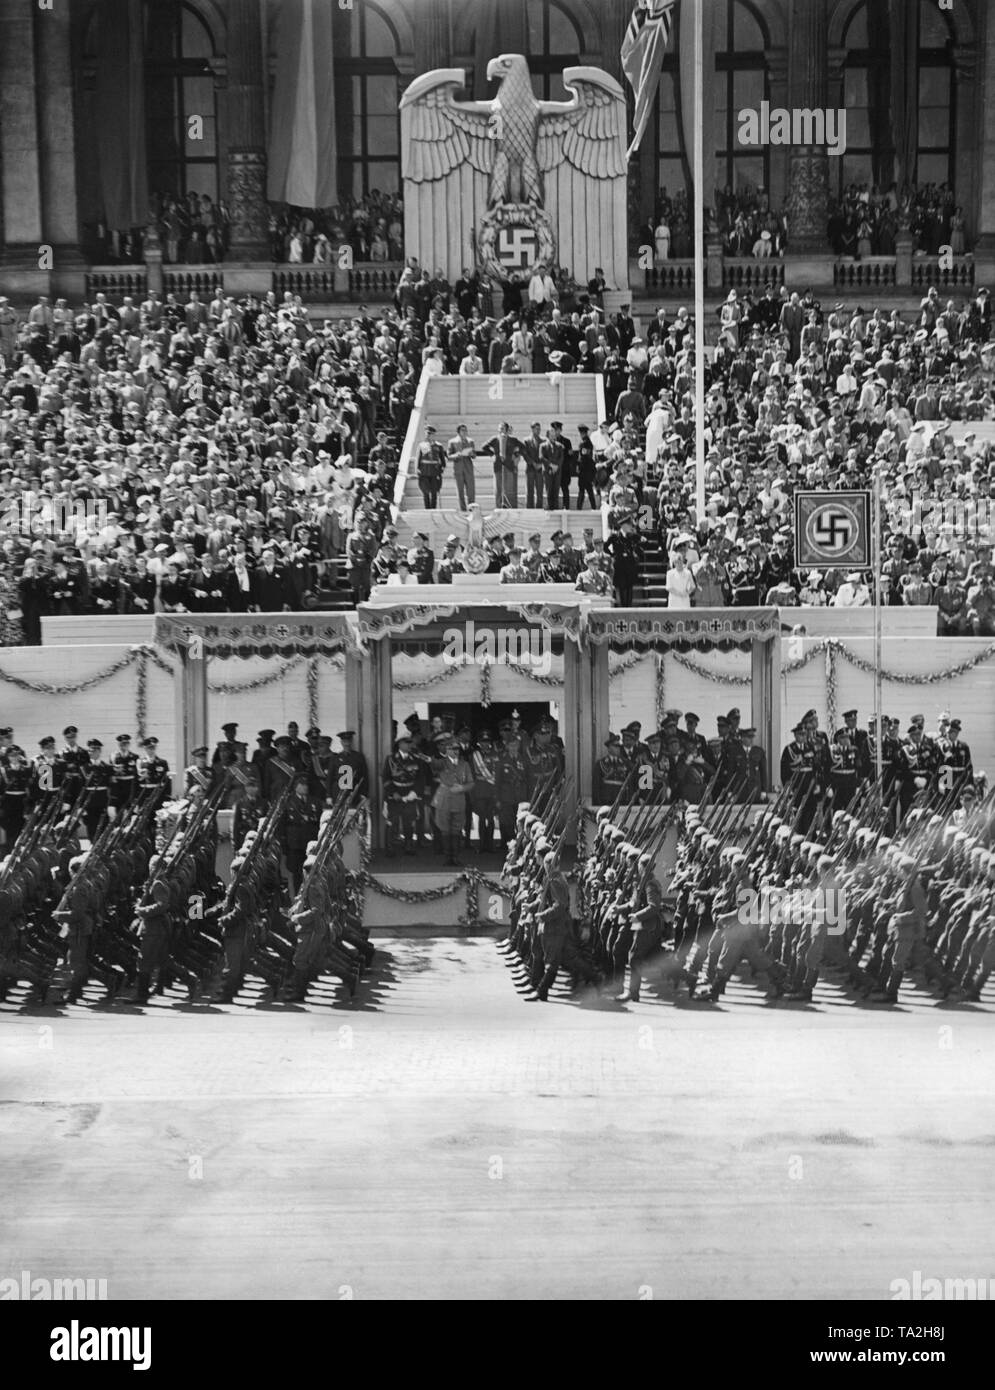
(647, 925)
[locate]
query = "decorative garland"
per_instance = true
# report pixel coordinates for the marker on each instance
(142, 694)
(445, 674)
(258, 682)
(661, 690)
(76, 687)
(410, 895)
(312, 691)
(470, 882)
(839, 648)
(831, 688)
(485, 684)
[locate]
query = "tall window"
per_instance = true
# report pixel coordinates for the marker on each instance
(741, 84)
(181, 114)
(867, 101)
(373, 127)
(555, 42)
(937, 89)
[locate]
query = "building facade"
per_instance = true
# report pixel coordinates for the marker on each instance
(108, 103)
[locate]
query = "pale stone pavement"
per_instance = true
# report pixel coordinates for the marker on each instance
(441, 1138)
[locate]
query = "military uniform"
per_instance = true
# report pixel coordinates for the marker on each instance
(124, 774)
(403, 790)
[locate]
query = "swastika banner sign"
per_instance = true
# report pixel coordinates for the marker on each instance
(833, 530)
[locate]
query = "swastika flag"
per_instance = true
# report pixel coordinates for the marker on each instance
(833, 530)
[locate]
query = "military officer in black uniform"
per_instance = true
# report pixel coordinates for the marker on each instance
(955, 765)
(152, 771)
(697, 741)
(349, 772)
(265, 751)
(76, 761)
(98, 793)
(914, 768)
(124, 775)
(282, 768)
(614, 771)
(49, 768)
(756, 769)
(800, 757)
(227, 743)
(198, 774)
(861, 746)
(403, 787)
(16, 779)
(843, 773)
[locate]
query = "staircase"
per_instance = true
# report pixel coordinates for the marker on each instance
(652, 592)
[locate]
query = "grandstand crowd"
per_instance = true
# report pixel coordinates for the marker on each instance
(235, 455)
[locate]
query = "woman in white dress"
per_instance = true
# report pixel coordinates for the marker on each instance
(662, 238)
(680, 583)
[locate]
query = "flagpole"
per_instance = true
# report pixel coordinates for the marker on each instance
(698, 175)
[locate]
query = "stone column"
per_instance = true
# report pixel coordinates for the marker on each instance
(433, 35)
(984, 253)
(57, 149)
(19, 142)
(777, 67)
(808, 165)
(246, 135)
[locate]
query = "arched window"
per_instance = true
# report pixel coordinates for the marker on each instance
(869, 156)
(740, 81)
(180, 101)
(368, 106)
(555, 42)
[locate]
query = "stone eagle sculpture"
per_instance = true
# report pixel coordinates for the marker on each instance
(516, 138)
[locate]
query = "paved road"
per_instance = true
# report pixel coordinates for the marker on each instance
(439, 1137)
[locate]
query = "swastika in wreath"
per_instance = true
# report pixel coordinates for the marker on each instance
(517, 247)
(833, 530)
